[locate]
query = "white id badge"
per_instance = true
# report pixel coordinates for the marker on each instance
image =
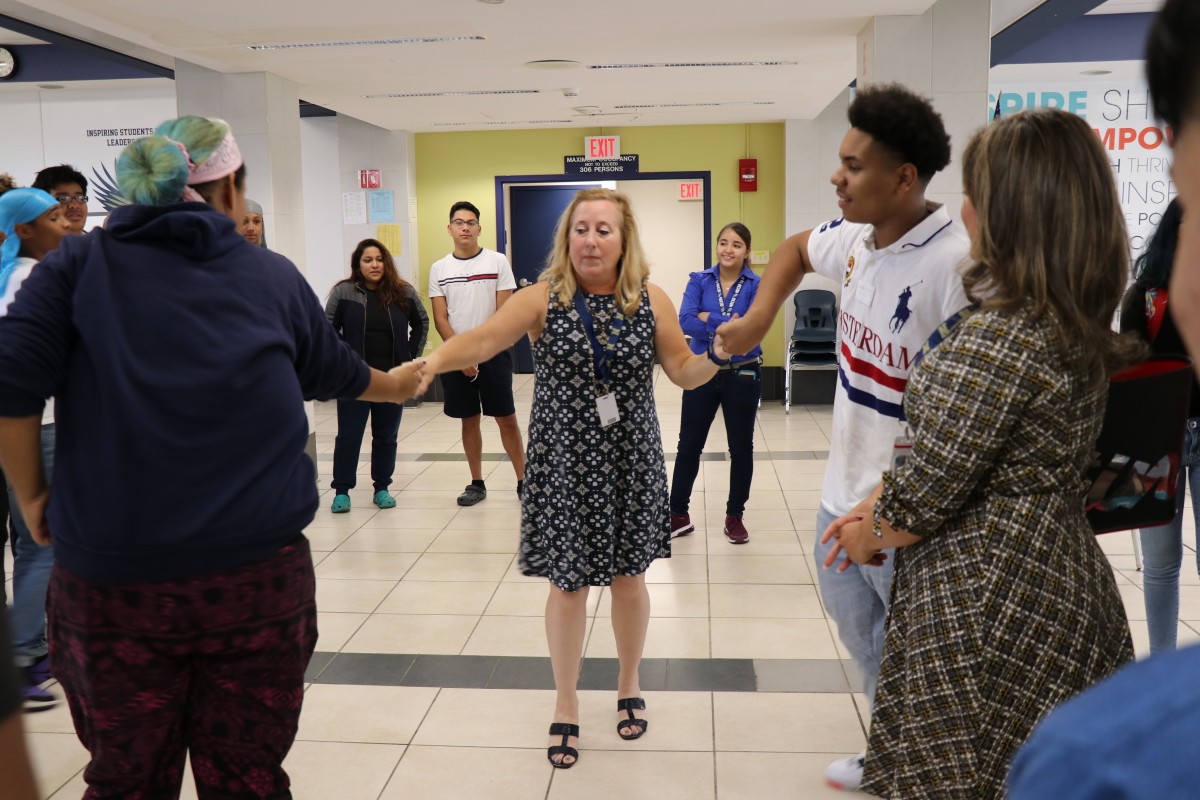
(901, 450)
(606, 407)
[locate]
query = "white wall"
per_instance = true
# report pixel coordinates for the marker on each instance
(327, 264)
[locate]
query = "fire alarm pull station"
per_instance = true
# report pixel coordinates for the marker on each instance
(748, 174)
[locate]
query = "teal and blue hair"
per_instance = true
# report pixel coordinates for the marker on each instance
(154, 170)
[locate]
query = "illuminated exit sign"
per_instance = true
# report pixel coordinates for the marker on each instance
(601, 147)
(691, 190)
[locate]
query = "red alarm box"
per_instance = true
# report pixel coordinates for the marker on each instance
(748, 174)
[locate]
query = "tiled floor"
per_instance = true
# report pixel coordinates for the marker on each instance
(431, 678)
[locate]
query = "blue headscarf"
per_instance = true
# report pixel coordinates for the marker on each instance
(18, 206)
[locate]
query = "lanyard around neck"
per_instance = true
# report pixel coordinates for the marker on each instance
(601, 355)
(737, 289)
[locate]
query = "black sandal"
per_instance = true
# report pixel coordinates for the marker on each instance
(565, 730)
(628, 705)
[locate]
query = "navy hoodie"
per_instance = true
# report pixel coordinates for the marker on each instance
(179, 356)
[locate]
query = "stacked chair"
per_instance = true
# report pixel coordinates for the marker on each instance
(813, 344)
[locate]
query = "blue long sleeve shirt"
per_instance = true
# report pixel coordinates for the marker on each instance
(179, 357)
(703, 293)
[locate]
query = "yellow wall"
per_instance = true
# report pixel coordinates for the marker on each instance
(464, 166)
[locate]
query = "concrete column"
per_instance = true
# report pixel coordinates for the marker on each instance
(263, 110)
(942, 54)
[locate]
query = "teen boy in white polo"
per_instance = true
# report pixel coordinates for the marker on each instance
(465, 289)
(898, 258)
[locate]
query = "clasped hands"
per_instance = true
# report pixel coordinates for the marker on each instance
(853, 539)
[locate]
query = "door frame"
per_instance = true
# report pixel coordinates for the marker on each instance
(504, 180)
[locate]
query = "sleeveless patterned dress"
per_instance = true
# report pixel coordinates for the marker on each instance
(595, 501)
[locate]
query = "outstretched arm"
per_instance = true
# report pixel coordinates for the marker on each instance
(684, 368)
(787, 267)
(524, 312)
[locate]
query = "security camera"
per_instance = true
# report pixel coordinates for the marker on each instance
(570, 93)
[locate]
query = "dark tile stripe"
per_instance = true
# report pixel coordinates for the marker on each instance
(775, 455)
(512, 672)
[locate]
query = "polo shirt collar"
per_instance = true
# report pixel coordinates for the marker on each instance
(923, 233)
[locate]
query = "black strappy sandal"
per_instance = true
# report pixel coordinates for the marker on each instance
(565, 730)
(628, 705)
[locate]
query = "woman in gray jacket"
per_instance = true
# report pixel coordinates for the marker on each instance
(380, 316)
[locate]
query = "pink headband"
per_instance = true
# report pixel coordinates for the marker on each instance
(223, 161)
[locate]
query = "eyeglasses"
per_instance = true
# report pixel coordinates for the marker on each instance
(80, 199)
(465, 223)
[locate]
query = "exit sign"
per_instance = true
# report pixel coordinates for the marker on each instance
(601, 147)
(691, 190)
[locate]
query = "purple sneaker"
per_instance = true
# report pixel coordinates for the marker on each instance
(39, 672)
(681, 525)
(37, 698)
(735, 531)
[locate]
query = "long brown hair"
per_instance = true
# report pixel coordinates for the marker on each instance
(393, 290)
(632, 270)
(1051, 234)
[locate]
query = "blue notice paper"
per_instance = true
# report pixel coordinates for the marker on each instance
(381, 206)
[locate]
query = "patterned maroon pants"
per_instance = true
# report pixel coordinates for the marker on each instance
(212, 665)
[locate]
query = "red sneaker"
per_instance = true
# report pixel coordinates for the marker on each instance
(681, 525)
(735, 531)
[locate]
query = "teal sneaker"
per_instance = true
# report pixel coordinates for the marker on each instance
(383, 499)
(341, 504)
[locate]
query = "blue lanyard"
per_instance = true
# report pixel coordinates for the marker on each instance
(737, 289)
(601, 356)
(942, 331)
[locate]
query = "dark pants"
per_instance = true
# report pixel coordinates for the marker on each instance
(736, 393)
(212, 666)
(352, 421)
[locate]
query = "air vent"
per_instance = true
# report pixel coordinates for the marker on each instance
(506, 122)
(471, 92)
(670, 65)
(699, 105)
(365, 42)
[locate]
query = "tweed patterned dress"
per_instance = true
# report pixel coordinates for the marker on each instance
(595, 502)
(1007, 606)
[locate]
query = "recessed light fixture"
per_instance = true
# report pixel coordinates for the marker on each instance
(701, 105)
(504, 122)
(1096, 72)
(668, 65)
(49, 86)
(365, 42)
(491, 2)
(553, 63)
(471, 92)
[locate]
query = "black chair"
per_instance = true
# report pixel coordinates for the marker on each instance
(813, 344)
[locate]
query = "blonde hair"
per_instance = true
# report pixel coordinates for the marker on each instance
(1051, 234)
(632, 269)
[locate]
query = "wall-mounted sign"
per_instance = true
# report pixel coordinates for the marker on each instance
(691, 190)
(370, 178)
(614, 167)
(601, 147)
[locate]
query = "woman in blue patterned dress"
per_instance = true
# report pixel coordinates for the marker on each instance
(594, 510)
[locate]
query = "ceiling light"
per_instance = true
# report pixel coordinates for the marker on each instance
(553, 63)
(49, 86)
(701, 105)
(472, 93)
(1096, 72)
(491, 2)
(668, 65)
(365, 42)
(505, 122)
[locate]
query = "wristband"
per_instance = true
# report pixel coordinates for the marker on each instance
(712, 356)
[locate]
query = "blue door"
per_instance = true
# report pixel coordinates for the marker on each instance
(533, 215)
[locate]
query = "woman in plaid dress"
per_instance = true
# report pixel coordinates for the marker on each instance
(1003, 604)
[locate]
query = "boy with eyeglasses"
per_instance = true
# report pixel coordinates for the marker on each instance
(465, 289)
(69, 188)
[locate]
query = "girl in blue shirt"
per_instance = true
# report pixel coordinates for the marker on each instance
(712, 297)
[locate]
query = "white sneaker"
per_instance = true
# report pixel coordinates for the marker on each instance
(846, 773)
